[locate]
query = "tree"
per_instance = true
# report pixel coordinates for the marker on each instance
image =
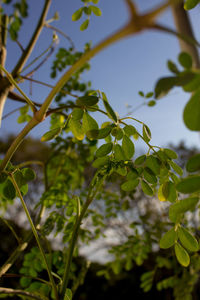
(67, 190)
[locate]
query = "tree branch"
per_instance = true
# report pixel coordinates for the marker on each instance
(8, 291)
(25, 55)
(184, 28)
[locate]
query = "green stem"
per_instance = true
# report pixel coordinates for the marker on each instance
(8, 291)
(123, 32)
(75, 233)
(25, 55)
(30, 162)
(36, 235)
(32, 123)
(12, 81)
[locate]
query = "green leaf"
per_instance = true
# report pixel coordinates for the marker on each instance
(95, 1)
(151, 103)
(77, 14)
(52, 134)
(149, 95)
(87, 100)
(9, 190)
(117, 132)
(193, 85)
(140, 160)
(28, 174)
(84, 25)
(110, 111)
(3, 177)
(119, 153)
(176, 168)
(168, 239)
(128, 147)
(182, 255)
(104, 132)
(172, 67)
(146, 133)
(89, 123)
(101, 161)
(146, 188)
(193, 163)
(149, 175)
(185, 60)
(77, 129)
(187, 239)
(104, 149)
(87, 10)
(181, 207)
(170, 153)
(25, 282)
(129, 130)
(154, 164)
(191, 114)
(169, 191)
(129, 185)
(189, 185)
(77, 114)
(189, 4)
(163, 86)
(141, 93)
(68, 295)
(95, 10)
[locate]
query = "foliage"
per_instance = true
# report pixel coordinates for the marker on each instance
(79, 172)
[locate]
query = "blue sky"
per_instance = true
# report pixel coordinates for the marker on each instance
(120, 71)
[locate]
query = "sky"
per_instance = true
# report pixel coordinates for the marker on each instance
(123, 69)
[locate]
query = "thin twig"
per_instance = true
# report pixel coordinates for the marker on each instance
(62, 33)
(36, 235)
(8, 291)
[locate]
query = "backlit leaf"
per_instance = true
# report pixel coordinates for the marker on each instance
(129, 185)
(182, 255)
(181, 207)
(95, 10)
(52, 134)
(187, 239)
(119, 152)
(104, 149)
(110, 111)
(168, 239)
(87, 100)
(128, 147)
(84, 25)
(101, 161)
(191, 114)
(189, 4)
(146, 188)
(77, 14)
(146, 133)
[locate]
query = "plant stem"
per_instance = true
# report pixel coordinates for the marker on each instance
(13, 82)
(8, 291)
(75, 234)
(32, 123)
(123, 32)
(25, 55)
(36, 235)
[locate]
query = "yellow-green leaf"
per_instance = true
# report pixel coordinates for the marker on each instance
(182, 255)
(52, 134)
(168, 239)
(128, 147)
(187, 239)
